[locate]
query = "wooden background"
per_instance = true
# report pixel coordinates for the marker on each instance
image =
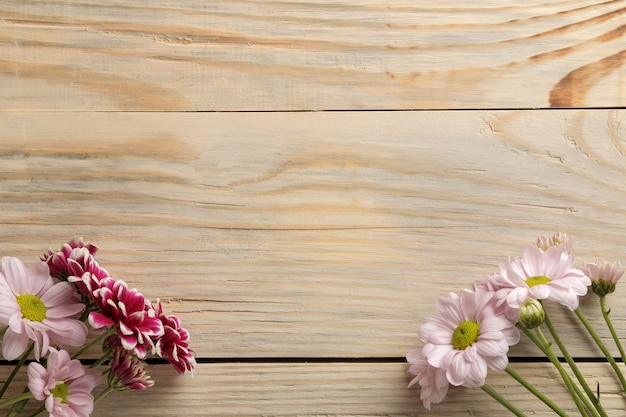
(300, 180)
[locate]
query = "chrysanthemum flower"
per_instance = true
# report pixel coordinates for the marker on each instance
(127, 370)
(539, 275)
(174, 344)
(75, 262)
(65, 385)
(433, 382)
(75, 250)
(86, 284)
(467, 338)
(556, 240)
(604, 275)
(36, 308)
(135, 321)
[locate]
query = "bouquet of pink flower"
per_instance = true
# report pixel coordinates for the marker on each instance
(46, 311)
(475, 328)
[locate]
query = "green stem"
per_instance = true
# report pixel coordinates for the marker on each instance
(577, 396)
(19, 406)
(95, 341)
(102, 394)
(99, 362)
(570, 361)
(506, 403)
(535, 391)
(602, 347)
(25, 396)
(16, 369)
(609, 324)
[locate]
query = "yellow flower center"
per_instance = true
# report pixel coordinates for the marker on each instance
(537, 280)
(465, 335)
(32, 307)
(60, 391)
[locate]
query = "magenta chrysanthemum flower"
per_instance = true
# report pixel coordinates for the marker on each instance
(65, 385)
(135, 321)
(86, 284)
(75, 250)
(174, 344)
(538, 274)
(433, 382)
(36, 308)
(75, 262)
(127, 370)
(467, 338)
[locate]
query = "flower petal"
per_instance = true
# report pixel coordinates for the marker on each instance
(13, 344)
(15, 274)
(98, 321)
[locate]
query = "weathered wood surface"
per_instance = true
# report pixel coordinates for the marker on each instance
(311, 235)
(341, 390)
(262, 229)
(337, 389)
(311, 55)
(303, 249)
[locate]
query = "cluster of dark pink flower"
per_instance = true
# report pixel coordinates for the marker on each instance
(44, 311)
(474, 329)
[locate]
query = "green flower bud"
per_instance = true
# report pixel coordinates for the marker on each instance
(531, 314)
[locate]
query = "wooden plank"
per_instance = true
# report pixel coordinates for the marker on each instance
(310, 55)
(339, 390)
(312, 234)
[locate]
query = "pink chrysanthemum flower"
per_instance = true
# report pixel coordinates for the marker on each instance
(174, 344)
(36, 308)
(556, 240)
(127, 370)
(604, 275)
(467, 338)
(433, 382)
(539, 275)
(65, 385)
(135, 321)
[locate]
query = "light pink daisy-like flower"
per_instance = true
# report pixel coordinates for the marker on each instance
(135, 321)
(174, 344)
(556, 240)
(36, 308)
(539, 275)
(467, 338)
(433, 382)
(127, 370)
(65, 385)
(604, 275)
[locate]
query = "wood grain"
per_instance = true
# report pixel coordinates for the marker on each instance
(338, 390)
(321, 235)
(303, 249)
(310, 55)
